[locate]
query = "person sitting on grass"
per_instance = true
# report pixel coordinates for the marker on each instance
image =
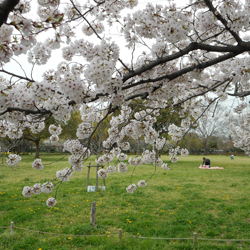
(206, 162)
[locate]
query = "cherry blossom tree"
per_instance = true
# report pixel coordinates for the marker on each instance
(212, 124)
(115, 51)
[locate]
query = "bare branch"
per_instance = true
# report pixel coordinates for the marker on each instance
(204, 92)
(18, 76)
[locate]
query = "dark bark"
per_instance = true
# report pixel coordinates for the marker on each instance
(5, 8)
(37, 148)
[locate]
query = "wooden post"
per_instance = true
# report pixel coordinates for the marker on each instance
(88, 177)
(12, 227)
(96, 184)
(93, 213)
(195, 239)
(120, 234)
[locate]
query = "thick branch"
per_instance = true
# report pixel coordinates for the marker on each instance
(5, 8)
(193, 46)
(27, 111)
(170, 77)
(183, 71)
(240, 94)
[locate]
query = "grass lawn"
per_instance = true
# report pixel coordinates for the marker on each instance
(175, 204)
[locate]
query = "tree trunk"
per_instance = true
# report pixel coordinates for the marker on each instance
(18, 149)
(37, 148)
(48, 149)
(205, 142)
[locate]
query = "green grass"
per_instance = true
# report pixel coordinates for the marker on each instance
(175, 204)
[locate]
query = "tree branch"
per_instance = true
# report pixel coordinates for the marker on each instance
(5, 8)
(204, 92)
(26, 111)
(18, 76)
(191, 47)
(223, 21)
(240, 94)
(181, 72)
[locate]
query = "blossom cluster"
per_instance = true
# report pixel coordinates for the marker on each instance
(13, 159)
(76, 148)
(37, 189)
(64, 174)
(37, 127)
(37, 164)
(54, 131)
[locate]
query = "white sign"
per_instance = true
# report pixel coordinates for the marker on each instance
(92, 188)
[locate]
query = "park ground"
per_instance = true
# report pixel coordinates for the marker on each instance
(175, 204)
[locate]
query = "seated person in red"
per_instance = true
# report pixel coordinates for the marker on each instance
(206, 162)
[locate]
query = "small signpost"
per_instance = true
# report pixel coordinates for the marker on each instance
(94, 188)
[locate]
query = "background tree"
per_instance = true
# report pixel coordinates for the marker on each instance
(101, 134)
(210, 127)
(70, 126)
(37, 138)
(192, 142)
(69, 130)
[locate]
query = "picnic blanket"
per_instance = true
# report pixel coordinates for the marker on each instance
(207, 167)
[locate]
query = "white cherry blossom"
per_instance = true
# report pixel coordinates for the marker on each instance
(131, 188)
(37, 164)
(51, 202)
(13, 159)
